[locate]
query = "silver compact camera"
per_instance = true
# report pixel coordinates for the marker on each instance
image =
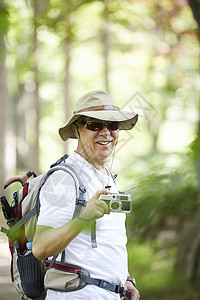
(118, 202)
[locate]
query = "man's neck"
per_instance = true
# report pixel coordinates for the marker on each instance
(98, 163)
(100, 167)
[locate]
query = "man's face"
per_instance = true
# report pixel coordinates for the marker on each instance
(98, 144)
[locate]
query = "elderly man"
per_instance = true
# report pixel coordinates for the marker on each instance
(101, 253)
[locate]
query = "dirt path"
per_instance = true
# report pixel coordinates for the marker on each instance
(7, 290)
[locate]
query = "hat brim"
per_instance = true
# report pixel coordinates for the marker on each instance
(127, 121)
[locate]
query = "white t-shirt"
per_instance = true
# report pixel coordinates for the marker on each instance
(109, 260)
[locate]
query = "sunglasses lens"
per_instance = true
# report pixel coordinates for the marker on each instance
(112, 126)
(94, 126)
(97, 126)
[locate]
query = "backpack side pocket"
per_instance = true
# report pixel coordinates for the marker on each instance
(30, 274)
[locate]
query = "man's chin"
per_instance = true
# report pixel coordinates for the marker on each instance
(104, 154)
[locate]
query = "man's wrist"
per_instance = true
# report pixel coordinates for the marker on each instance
(132, 280)
(84, 219)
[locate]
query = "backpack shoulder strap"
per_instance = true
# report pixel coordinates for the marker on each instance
(80, 197)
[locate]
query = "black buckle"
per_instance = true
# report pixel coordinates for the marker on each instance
(82, 189)
(63, 158)
(120, 290)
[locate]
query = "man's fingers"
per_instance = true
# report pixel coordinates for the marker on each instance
(96, 208)
(100, 192)
(103, 205)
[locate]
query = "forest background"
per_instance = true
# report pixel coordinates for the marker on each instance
(146, 54)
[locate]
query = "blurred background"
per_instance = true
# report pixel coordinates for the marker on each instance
(146, 54)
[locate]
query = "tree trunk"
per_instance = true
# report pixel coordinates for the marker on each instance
(105, 41)
(195, 6)
(27, 111)
(67, 87)
(36, 101)
(188, 255)
(3, 113)
(7, 148)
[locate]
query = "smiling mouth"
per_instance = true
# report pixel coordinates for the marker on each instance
(104, 143)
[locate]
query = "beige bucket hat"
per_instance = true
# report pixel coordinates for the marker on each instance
(98, 104)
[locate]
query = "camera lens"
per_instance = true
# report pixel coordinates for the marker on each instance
(115, 206)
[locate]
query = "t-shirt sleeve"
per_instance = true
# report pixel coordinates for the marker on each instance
(57, 200)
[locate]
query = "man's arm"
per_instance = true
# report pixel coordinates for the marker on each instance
(50, 241)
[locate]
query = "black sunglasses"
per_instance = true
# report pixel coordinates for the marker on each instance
(97, 126)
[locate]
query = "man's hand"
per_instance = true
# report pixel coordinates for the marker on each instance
(95, 208)
(131, 292)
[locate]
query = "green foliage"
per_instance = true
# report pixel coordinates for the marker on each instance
(155, 274)
(4, 19)
(152, 49)
(195, 147)
(160, 195)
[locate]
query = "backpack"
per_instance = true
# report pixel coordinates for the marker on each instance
(21, 218)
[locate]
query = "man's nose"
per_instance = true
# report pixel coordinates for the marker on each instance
(105, 130)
